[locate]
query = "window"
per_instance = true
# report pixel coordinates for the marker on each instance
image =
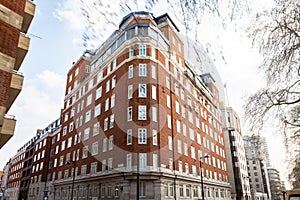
(131, 52)
(177, 107)
(142, 136)
(166, 191)
(111, 142)
(66, 174)
(112, 100)
(69, 142)
(99, 92)
(103, 167)
(199, 138)
(154, 137)
(86, 133)
(129, 136)
(87, 116)
(183, 129)
(168, 101)
(190, 114)
(143, 160)
(182, 93)
(142, 70)
(176, 89)
(155, 163)
(142, 50)
(180, 167)
(96, 128)
(142, 90)
(129, 161)
(192, 134)
(187, 171)
(105, 127)
(63, 144)
(169, 121)
(72, 112)
(195, 191)
(61, 160)
(129, 113)
(185, 146)
(97, 110)
(113, 82)
(142, 112)
(99, 76)
(89, 100)
(183, 111)
(154, 114)
(115, 64)
(83, 169)
(179, 146)
(66, 117)
(130, 71)
(170, 143)
(181, 190)
(82, 104)
(109, 164)
(76, 71)
(178, 126)
(170, 163)
(142, 189)
(106, 104)
(171, 188)
(85, 151)
(153, 92)
(153, 72)
(153, 52)
(112, 120)
(94, 148)
(107, 86)
(193, 153)
(71, 126)
(130, 91)
(168, 82)
(108, 68)
(104, 145)
(93, 168)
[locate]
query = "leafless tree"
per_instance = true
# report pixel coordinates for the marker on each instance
(188, 12)
(276, 33)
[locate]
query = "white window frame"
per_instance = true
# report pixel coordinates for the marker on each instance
(142, 112)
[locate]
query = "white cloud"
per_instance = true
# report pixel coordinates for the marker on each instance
(38, 104)
(51, 79)
(69, 12)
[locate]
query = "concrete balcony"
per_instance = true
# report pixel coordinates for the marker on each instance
(15, 88)
(23, 46)
(7, 129)
(28, 15)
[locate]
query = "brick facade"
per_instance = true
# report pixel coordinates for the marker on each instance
(11, 19)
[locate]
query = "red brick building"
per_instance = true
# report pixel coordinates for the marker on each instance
(135, 109)
(28, 170)
(13, 183)
(15, 18)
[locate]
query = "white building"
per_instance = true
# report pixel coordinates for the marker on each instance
(235, 155)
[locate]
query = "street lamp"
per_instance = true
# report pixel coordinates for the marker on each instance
(201, 175)
(74, 168)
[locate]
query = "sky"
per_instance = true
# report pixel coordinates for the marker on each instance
(56, 43)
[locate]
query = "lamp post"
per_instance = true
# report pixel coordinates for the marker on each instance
(74, 168)
(201, 176)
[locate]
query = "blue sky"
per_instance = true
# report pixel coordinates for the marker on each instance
(59, 25)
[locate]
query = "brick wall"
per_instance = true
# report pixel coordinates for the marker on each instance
(5, 79)
(15, 5)
(9, 37)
